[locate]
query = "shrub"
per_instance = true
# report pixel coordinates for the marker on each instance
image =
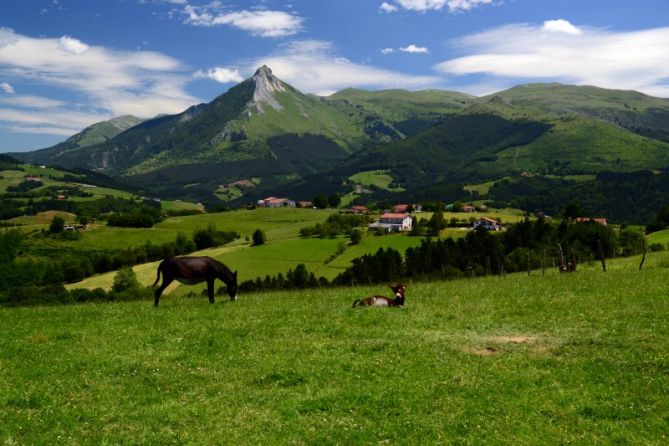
(125, 279)
(57, 224)
(259, 237)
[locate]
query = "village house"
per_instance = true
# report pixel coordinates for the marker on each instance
(358, 210)
(468, 208)
(402, 208)
(31, 178)
(394, 222)
(600, 220)
(275, 202)
(242, 183)
(487, 223)
(305, 204)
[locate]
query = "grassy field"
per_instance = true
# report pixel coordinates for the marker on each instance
(659, 237)
(580, 358)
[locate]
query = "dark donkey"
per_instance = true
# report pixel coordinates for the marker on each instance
(383, 301)
(191, 270)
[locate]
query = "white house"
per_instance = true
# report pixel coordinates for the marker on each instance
(274, 202)
(394, 222)
(487, 223)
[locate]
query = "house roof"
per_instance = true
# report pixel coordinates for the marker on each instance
(489, 220)
(600, 220)
(394, 216)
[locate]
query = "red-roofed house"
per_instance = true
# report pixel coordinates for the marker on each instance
(274, 202)
(601, 221)
(394, 222)
(358, 210)
(401, 208)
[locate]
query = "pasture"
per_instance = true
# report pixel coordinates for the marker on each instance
(574, 358)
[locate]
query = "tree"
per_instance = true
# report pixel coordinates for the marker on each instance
(57, 224)
(356, 236)
(573, 210)
(125, 279)
(437, 223)
(320, 201)
(334, 200)
(259, 237)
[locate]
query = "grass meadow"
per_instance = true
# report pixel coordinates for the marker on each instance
(577, 358)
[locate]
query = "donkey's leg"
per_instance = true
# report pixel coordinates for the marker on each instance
(210, 289)
(159, 291)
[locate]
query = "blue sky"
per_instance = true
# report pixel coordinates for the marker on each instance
(66, 64)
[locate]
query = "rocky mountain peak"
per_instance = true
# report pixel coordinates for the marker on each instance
(266, 84)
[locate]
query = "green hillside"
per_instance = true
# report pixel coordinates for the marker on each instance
(632, 110)
(95, 134)
(492, 140)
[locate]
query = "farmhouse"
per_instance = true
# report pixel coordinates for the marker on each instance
(468, 208)
(31, 178)
(358, 210)
(601, 221)
(242, 183)
(394, 222)
(275, 202)
(402, 208)
(487, 223)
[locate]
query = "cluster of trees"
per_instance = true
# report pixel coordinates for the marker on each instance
(481, 252)
(660, 222)
(297, 278)
(322, 201)
(336, 224)
(125, 288)
(142, 217)
(75, 266)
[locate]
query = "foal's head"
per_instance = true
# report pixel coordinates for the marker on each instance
(398, 290)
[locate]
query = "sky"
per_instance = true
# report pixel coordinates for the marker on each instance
(67, 64)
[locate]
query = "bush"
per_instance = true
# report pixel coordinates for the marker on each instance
(57, 224)
(356, 236)
(259, 237)
(125, 279)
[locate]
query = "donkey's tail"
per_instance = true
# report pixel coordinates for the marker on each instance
(157, 279)
(356, 303)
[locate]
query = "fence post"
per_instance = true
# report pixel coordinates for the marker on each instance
(601, 254)
(528, 262)
(643, 259)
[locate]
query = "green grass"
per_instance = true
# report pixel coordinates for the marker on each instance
(575, 358)
(379, 178)
(659, 237)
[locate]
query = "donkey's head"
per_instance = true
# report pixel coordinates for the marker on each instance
(232, 287)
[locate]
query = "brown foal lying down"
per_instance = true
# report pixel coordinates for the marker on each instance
(383, 301)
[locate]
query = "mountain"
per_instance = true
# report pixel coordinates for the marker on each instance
(428, 144)
(634, 111)
(95, 134)
(262, 127)
(496, 138)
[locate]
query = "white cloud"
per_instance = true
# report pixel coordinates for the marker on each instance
(222, 75)
(72, 45)
(452, 5)
(27, 101)
(313, 67)
(387, 51)
(106, 82)
(413, 49)
(561, 26)
(263, 23)
(4, 86)
(560, 51)
(387, 7)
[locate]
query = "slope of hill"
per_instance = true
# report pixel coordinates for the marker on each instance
(494, 139)
(632, 110)
(95, 134)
